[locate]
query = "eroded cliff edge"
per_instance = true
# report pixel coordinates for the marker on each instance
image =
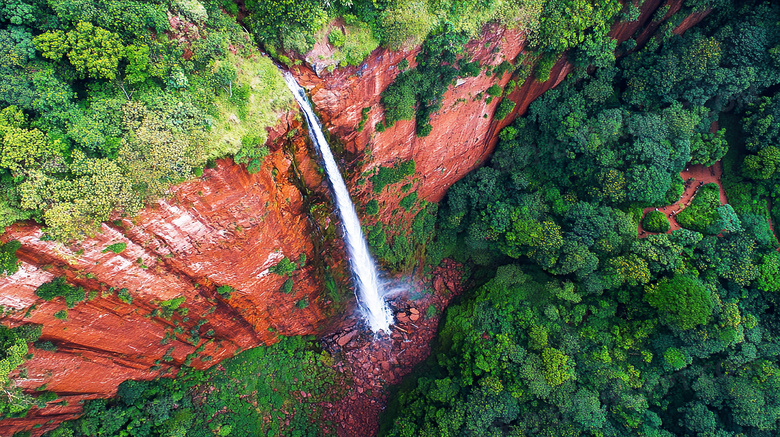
(228, 227)
(225, 228)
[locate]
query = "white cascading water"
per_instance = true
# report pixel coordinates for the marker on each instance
(368, 288)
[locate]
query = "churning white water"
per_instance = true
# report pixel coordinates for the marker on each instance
(368, 288)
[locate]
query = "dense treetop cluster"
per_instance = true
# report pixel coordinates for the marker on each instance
(104, 104)
(577, 327)
(573, 325)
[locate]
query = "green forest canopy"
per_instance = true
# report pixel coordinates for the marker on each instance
(573, 325)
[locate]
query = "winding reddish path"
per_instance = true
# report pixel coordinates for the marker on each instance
(702, 176)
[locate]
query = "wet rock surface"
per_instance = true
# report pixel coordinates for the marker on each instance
(372, 363)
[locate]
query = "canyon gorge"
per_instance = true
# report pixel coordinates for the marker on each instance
(228, 227)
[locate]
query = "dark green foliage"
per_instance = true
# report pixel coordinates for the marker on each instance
(61, 315)
(30, 332)
(58, 287)
(258, 392)
(116, 247)
(125, 296)
(494, 90)
(225, 291)
(287, 286)
(390, 175)
(408, 202)
(544, 67)
(372, 207)
(8, 260)
(655, 221)
(284, 267)
(45, 346)
(574, 326)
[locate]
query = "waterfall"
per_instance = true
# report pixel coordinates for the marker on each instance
(368, 288)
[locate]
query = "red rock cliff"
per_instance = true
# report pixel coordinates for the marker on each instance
(225, 228)
(229, 227)
(465, 131)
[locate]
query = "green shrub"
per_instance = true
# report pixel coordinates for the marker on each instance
(283, 267)
(225, 291)
(252, 152)
(359, 43)
(363, 118)
(372, 207)
(58, 287)
(125, 296)
(504, 108)
(45, 346)
(8, 260)
(676, 190)
(191, 9)
(29, 332)
(655, 221)
(406, 24)
(61, 315)
(287, 286)
(390, 175)
(544, 67)
(494, 90)
(116, 247)
(301, 304)
(336, 37)
(409, 201)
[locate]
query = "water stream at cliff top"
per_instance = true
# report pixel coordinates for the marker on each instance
(368, 287)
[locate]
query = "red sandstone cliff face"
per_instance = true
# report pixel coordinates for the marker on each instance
(225, 228)
(229, 227)
(464, 130)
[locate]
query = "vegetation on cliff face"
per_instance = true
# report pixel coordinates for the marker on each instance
(577, 327)
(274, 390)
(574, 326)
(104, 104)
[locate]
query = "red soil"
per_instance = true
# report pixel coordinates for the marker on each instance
(702, 176)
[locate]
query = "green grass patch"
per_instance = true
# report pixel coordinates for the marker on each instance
(116, 247)
(390, 175)
(266, 96)
(266, 391)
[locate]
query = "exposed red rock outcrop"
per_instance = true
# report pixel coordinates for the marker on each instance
(464, 130)
(225, 228)
(229, 227)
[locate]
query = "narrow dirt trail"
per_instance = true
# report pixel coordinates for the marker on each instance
(702, 176)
